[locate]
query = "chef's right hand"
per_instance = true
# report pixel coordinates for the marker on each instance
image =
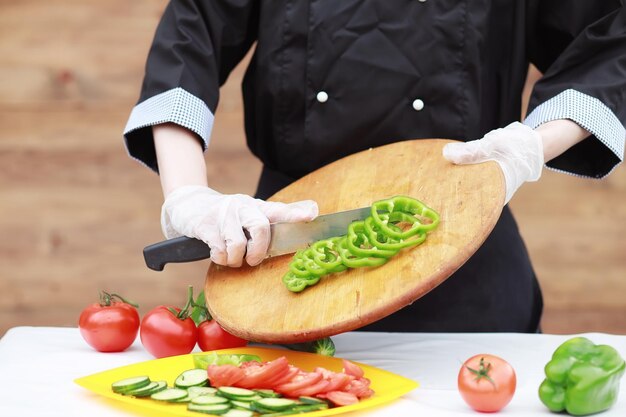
(220, 220)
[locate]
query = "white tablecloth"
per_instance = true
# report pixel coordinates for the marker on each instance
(38, 366)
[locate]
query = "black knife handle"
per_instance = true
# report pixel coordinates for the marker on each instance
(179, 249)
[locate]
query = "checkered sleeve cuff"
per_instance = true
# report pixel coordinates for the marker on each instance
(173, 106)
(589, 113)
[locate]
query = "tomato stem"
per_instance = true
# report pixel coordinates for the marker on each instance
(184, 313)
(482, 372)
(106, 299)
(124, 300)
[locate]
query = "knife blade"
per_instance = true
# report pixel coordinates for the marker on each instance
(285, 238)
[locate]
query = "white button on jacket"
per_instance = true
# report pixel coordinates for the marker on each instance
(322, 96)
(418, 104)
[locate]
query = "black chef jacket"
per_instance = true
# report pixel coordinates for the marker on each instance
(330, 78)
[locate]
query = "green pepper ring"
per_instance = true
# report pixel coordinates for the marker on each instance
(404, 205)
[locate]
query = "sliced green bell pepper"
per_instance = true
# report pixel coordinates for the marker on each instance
(428, 218)
(395, 224)
(582, 378)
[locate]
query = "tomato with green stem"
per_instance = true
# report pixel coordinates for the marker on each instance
(110, 325)
(212, 336)
(487, 382)
(168, 331)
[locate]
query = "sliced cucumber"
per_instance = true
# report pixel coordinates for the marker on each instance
(169, 394)
(209, 409)
(148, 390)
(275, 404)
(208, 400)
(305, 408)
(197, 391)
(242, 405)
(267, 393)
(311, 400)
(192, 378)
(235, 393)
(250, 399)
(185, 399)
(130, 384)
(238, 413)
(296, 410)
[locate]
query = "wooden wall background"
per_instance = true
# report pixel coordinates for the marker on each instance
(76, 212)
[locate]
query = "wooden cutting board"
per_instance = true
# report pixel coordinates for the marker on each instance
(253, 303)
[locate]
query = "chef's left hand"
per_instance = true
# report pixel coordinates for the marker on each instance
(517, 148)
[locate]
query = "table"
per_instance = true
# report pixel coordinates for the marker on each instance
(38, 366)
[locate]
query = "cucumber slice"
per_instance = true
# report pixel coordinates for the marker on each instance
(241, 405)
(311, 400)
(208, 400)
(235, 393)
(267, 393)
(185, 399)
(296, 410)
(238, 413)
(197, 391)
(130, 384)
(192, 378)
(305, 408)
(140, 392)
(250, 399)
(217, 409)
(148, 390)
(169, 394)
(275, 404)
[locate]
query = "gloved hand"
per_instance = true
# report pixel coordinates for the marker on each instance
(517, 148)
(219, 220)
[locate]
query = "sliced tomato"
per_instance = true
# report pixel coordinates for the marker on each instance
(338, 381)
(258, 376)
(341, 398)
(360, 387)
(280, 379)
(352, 369)
(302, 380)
(319, 387)
(224, 375)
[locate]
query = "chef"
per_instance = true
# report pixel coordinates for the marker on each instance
(329, 78)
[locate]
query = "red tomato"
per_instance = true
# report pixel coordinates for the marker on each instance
(312, 390)
(341, 398)
(353, 369)
(487, 382)
(338, 381)
(163, 334)
(225, 375)
(300, 381)
(211, 336)
(265, 375)
(109, 328)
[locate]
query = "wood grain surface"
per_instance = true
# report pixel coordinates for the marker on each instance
(252, 302)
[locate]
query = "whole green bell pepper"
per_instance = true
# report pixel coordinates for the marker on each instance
(582, 378)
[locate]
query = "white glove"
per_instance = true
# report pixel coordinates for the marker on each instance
(517, 148)
(220, 220)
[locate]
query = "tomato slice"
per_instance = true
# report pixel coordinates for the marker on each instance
(312, 390)
(258, 376)
(353, 369)
(288, 376)
(341, 398)
(360, 387)
(338, 382)
(300, 381)
(224, 375)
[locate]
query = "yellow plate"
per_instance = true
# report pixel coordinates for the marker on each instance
(386, 385)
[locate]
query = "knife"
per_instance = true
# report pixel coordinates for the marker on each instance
(286, 238)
